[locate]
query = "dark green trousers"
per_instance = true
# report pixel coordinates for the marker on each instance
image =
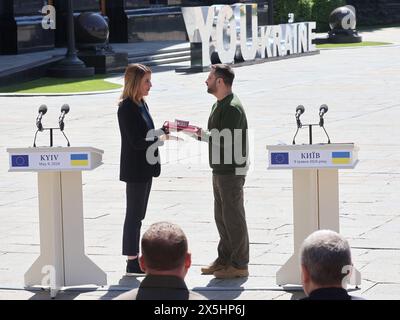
(230, 218)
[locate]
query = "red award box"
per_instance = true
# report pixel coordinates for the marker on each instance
(180, 125)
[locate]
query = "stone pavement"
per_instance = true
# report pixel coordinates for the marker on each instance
(361, 88)
(381, 34)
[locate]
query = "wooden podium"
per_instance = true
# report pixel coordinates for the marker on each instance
(315, 194)
(62, 261)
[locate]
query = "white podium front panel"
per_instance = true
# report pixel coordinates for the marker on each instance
(62, 249)
(54, 159)
(315, 194)
(333, 155)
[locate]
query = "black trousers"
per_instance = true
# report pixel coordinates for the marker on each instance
(137, 197)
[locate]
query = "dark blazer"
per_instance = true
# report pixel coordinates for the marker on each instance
(134, 166)
(156, 287)
(331, 294)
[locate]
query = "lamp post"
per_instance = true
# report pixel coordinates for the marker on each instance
(71, 66)
(270, 12)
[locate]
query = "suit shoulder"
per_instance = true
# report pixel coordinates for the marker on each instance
(126, 103)
(127, 107)
(130, 295)
(357, 298)
(196, 296)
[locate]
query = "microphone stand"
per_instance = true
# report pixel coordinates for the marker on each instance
(329, 140)
(321, 124)
(34, 140)
(299, 125)
(310, 132)
(51, 136)
(68, 144)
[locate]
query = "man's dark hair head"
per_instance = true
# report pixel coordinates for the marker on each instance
(224, 72)
(164, 246)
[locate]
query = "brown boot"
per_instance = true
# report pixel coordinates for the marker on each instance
(231, 272)
(215, 266)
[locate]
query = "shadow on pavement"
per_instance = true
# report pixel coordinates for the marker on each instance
(124, 284)
(297, 295)
(68, 294)
(218, 289)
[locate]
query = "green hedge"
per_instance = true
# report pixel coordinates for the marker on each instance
(282, 9)
(322, 9)
(304, 10)
(307, 10)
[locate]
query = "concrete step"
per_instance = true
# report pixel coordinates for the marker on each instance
(159, 52)
(29, 71)
(162, 61)
(162, 56)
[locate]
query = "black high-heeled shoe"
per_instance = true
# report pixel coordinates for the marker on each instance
(133, 268)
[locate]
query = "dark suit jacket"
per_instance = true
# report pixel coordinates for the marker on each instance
(134, 166)
(330, 294)
(155, 287)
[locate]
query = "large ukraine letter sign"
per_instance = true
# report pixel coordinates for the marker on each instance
(220, 33)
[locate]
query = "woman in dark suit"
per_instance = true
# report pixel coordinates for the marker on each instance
(140, 160)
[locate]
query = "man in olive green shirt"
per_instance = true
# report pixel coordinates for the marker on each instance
(228, 157)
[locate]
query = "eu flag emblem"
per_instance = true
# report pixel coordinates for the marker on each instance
(20, 161)
(279, 158)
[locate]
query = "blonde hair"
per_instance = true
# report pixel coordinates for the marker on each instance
(134, 74)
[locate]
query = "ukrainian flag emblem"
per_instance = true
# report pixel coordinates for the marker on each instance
(341, 157)
(79, 160)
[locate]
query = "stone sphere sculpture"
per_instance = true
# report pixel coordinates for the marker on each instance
(342, 21)
(342, 18)
(91, 29)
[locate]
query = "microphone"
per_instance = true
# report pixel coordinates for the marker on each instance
(64, 111)
(299, 111)
(322, 110)
(42, 111)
